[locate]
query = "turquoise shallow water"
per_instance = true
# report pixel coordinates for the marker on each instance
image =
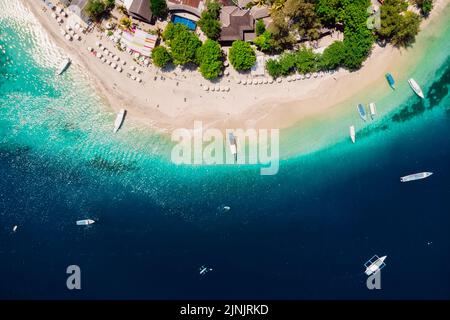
(303, 233)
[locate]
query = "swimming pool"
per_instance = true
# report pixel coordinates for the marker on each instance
(188, 23)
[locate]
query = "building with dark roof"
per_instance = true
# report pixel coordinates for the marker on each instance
(237, 24)
(139, 9)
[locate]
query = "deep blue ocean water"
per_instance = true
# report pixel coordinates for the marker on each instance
(304, 233)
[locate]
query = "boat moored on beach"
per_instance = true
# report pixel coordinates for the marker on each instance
(362, 112)
(390, 80)
(416, 88)
(373, 110)
(353, 134)
(416, 176)
(85, 222)
(119, 120)
(63, 66)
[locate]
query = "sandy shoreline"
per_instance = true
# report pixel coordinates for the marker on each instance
(180, 99)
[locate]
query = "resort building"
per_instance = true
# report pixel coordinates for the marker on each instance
(194, 7)
(139, 9)
(237, 24)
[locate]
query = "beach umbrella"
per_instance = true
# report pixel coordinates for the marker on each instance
(119, 69)
(254, 81)
(61, 9)
(146, 62)
(90, 49)
(244, 82)
(315, 75)
(206, 88)
(104, 60)
(68, 37)
(238, 80)
(227, 88)
(270, 80)
(124, 62)
(226, 72)
(133, 77)
(260, 81)
(298, 77)
(108, 62)
(98, 44)
(60, 20)
(106, 51)
(308, 75)
(279, 80)
(99, 55)
(213, 88)
(63, 32)
(116, 58)
(226, 64)
(68, 27)
(217, 88)
(266, 81)
(54, 15)
(113, 65)
(138, 79)
(137, 55)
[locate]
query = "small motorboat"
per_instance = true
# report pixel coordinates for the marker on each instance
(85, 222)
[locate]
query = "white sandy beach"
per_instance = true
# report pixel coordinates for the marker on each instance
(180, 98)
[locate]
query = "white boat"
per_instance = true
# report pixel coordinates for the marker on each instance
(373, 110)
(119, 120)
(85, 222)
(416, 88)
(15, 228)
(352, 134)
(416, 176)
(64, 65)
(374, 265)
(233, 145)
(204, 270)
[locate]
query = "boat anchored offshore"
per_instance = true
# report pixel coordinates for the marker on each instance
(416, 88)
(352, 134)
(362, 112)
(85, 222)
(233, 145)
(64, 65)
(416, 176)
(119, 120)
(390, 80)
(373, 110)
(204, 270)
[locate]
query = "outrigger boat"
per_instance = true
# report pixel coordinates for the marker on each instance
(362, 112)
(352, 134)
(373, 110)
(390, 80)
(64, 65)
(416, 88)
(119, 120)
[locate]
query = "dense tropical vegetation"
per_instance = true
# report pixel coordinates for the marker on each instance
(209, 21)
(159, 8)
(96, 9)
(161, 56)
(242, 56)
(425, 6)
(210, 59)
(398, 25)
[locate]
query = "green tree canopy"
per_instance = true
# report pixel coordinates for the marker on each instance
(95, 9)
(183, 46)
(159, 8)
(242, 56)
(264, 41)
(333, 56)
(161, 56)
(210, 59)
(209, 20)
